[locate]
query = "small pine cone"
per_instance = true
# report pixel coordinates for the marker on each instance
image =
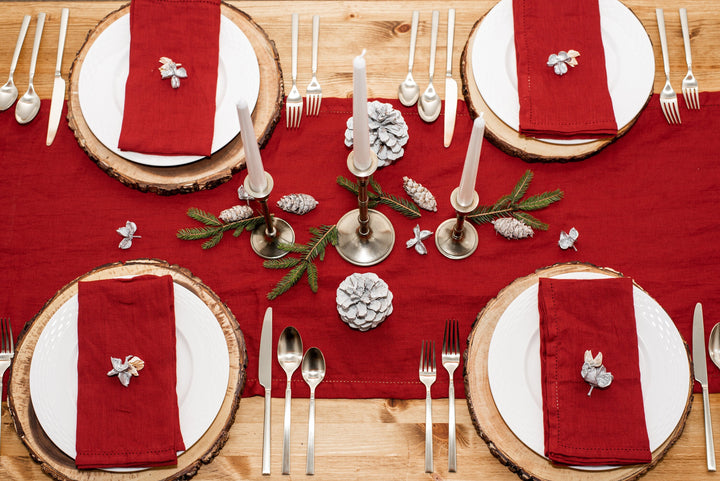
(512, 228)
(420, 194)
(297, 203)
(235, 213)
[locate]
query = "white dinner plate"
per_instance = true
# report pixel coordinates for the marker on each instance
(101, 88)
(203, 370)
(629, 63)
(514, 367)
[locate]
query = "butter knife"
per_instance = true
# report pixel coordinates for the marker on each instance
(700, 369)
(451, 89)
(58, 93)
(265, 361)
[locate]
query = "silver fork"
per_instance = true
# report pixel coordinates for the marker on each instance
(428, 373)
(294, 102)
(314, 92)
(451, 360)
(7, 347)
(668, 98)
(689, 83)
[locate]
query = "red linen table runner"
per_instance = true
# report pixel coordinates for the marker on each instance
(138, 424)
(576, 104)
(606, 427)
(157, 118)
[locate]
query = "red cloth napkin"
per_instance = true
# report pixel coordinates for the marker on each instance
(157, 118)
(137, 425)
(607, 427)
(574, 105)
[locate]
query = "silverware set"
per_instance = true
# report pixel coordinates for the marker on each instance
(450, 358)
(668, 97)
(313, 93)
(7, 347)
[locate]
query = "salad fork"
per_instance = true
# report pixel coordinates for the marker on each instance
(451, 360)
(7, 347)
(689, 83)
(428, 373)
(294, 102)
(314, 92)
(668, 97)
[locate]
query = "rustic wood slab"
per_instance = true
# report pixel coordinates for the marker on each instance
(510, 140)
(489, 424)
(210, 171)
(60, 466)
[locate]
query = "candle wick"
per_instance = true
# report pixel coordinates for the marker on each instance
(363, 53)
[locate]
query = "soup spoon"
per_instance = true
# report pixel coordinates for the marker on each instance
(408, 91)
(289, 353)
(9, 92)
(714, 345)
(429, 105)
(29, 104)
(313, 371)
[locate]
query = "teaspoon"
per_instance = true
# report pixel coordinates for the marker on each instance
(29, 104)
(429, 105)
(313, 371)
(408, 91)
(9, 92)
(289, 353)
(714, 345)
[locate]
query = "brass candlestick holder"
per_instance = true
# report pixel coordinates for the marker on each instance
(454, 238)
(264, 238)
(365, 236)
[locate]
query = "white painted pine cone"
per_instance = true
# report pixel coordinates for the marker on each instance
(420, 194)
(297, 203)
(388, 132)
(235, 213)
(512, 228)
(363, 301)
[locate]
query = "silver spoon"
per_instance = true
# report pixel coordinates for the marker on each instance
(714, 344)
(429, 105)
(313, 371)
(29, 104)
(408, 91)
(9, 92)
(289, 353)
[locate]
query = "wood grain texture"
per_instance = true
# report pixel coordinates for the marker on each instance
(374, 439)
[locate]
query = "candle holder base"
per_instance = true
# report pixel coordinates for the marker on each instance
(267, 249)
(362, 251)
(452, 248)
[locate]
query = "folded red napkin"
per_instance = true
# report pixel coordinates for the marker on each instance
(576, 104)
(157, 118)
(137, 425)
(607, 427)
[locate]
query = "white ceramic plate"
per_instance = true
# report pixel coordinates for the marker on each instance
(514, 367)
(101, 88)
(203, 369)
(629, 63)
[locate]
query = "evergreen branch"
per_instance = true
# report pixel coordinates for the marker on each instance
(213, 241)
(196, 233)
(348, 184)
(409, 210)
(522, 186)
(312, 275)
(376, 195)
(289, 280)
(282, 263)
(485, 214)
(296, 248)
(214, 228)
(530, 220)
(541, 200)
(204, 217)
(321, 237)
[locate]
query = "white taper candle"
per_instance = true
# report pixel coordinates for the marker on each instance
(361, 131)
(253, 161)
(472, 159)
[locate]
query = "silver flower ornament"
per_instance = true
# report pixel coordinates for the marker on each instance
(594, 373)
(568, 239)
(172, 70)
(560, 61)
(420, 235)
(128, 233)
(125, 370)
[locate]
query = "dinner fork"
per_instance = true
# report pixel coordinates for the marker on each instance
(451, 360)
(294, 102)
(428, 373)
(689, 83)
(314, 92)
(668, 98)
(7, 347)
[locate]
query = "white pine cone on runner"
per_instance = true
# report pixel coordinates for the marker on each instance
(388, 132)
(297, 203)
(363, 301)
(420, 194)
(235, 213)
(512, 228)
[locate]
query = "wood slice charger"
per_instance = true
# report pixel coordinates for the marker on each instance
(60, 466)
(208, 172)
(510, 140)
(488, 422)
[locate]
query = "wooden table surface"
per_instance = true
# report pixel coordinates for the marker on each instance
(375, 438)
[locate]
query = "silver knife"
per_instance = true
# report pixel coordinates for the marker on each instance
(700, 369)
(58, 94)
(451, 89)
(265, 360)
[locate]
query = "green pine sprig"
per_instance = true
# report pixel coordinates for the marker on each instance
(215, 228)
(376, 195)
(315, 248)
(513, 205)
